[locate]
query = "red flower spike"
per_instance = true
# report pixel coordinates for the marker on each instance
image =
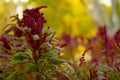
(72, 64)
(117, 38)
(93, 74)
(87, 50)
(117, 35)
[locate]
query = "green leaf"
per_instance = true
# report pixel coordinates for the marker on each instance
(14, 62)
(56, 61)
(49, 54)
(23, 38)
(20, 56)
(1, 45)
(0, 63)
(12, 75)
(46, 30)
(36, 37)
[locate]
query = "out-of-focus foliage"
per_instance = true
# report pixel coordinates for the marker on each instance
(69, 16)
(104, 12)
(118, 8)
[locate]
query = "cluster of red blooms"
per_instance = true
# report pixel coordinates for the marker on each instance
(30, 26)
(105, 45)
(33, 20)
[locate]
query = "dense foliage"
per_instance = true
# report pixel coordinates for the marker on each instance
(33, 53)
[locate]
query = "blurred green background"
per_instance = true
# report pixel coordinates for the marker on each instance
(62, 15)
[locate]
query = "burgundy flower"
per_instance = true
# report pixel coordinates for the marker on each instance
(93, 74)
(104, 45)
(71, 42)
(32, 19)
(32, 25)
(17, 32)
(102, 32)
(107, 41)
(117, 35)
(67, 38)
(117, 38)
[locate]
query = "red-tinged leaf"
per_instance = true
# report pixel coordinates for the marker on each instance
(29, 76)
(63, 76)
(5, 42)
(3, 55)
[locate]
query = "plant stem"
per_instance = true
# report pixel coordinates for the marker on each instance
(36, 62)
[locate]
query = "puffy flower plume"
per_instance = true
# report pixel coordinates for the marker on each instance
(32, 19)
